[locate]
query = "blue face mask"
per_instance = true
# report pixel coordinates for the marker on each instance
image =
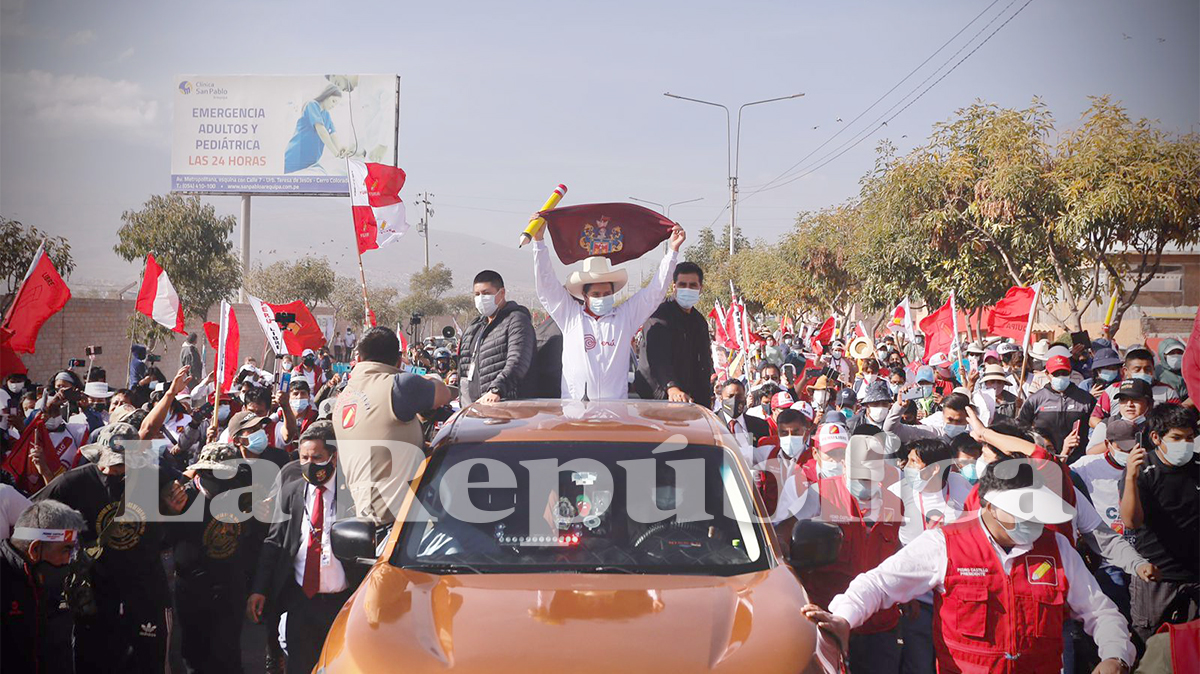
(926, 390)
(894, 388)
(601, 305)
(1060, 384)
(954, 430)
(970, 472)
(1148, 378)
(256, 442)
(1107, 376)
(860, 490)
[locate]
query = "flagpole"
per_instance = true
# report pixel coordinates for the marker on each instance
(129, 360)
(218, 377)
(958, 352)
(1037, 298)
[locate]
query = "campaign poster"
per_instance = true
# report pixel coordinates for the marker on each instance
(280, 134)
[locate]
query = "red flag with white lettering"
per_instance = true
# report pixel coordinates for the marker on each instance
(1011, 315)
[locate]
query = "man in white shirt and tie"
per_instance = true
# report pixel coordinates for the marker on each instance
(297, 570)
(596, 335)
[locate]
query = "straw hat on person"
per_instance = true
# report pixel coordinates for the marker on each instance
(596, 269)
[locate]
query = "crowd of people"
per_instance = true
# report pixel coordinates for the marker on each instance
(1037, 505)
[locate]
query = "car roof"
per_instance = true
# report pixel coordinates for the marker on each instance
(652, 421)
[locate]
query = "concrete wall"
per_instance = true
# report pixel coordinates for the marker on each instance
(87, 321)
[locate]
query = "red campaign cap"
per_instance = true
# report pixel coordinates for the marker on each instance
(1058, 364)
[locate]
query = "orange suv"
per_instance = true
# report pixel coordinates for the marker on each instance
(558, 536)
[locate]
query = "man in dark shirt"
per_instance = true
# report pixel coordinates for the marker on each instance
(1160, 502)
(675, 362)
(130, 630)
(1060, 410)
(211, 563)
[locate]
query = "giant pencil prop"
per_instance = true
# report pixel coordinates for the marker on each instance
(537, 223)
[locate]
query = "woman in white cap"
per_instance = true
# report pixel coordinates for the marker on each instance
(1003, 585)
(597, 335)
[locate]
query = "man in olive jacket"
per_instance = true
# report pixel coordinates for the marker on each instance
(497, 348)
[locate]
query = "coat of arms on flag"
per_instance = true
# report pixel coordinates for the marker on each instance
(598, 240)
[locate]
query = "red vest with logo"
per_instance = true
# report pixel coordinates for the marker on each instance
(864, 545)
(990, 622)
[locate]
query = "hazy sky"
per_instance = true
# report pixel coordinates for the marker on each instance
(500, 101)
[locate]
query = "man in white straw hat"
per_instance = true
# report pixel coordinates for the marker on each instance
(1003, 584)
(596, 335)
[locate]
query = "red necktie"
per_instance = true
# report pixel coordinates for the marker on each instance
(733, 427)
(312, 562)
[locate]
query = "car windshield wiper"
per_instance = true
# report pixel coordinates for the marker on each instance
(443, 567)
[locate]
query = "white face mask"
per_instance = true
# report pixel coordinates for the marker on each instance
(870, 378)
(791, 445)
(15, 386)
(300, 405)
(829, 468)
(54, 423)
(687, 297)
(820, 398)
(1173, 361)
(601, 305)
(1121, 458)
(877, 413)
(1177, 453)
(485, 304)
(1024, 532)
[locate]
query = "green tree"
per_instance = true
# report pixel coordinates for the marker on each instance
(308, 279)
(712, 254)
(18, 244)
(347, 300)
(191, 243)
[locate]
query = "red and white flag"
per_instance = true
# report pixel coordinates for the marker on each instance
(157, 298)
(859, 330)
(375, 202)
(718, 315)
(42, 294)
(825, 334)
(226, 339)
(902, 321)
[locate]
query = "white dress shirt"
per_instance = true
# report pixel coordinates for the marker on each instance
(596, 351)
(920, 567)
(333, 576)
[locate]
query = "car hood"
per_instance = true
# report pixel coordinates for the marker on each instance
(401, 620)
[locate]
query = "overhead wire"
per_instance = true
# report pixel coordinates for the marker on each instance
(859, 137)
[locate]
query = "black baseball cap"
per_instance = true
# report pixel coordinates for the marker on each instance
(1135, 388)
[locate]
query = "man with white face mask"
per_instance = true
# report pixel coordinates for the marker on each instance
(675, 362)
(497, 348)
(597, 334)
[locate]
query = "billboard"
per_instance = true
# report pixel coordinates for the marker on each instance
(280, 134)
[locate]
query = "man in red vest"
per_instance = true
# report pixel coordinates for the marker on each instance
(1003, 585)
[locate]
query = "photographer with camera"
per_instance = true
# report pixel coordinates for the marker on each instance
(116, 587)
(36, 630)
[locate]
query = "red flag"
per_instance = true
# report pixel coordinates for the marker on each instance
(42, 294)
(403, 341)
(939, 330)
(859, 330)
(157, 298)
(10, 362)
(1191, 361)
(620, 232)
(1011, 315)
(20, 465)
(227, 360)
(305, 333)
(786, 325)
(825, 334)
(379, 217)
(371, 316)
(718, 316)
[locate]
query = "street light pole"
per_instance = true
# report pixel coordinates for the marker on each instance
(733, 148)
(666, 209)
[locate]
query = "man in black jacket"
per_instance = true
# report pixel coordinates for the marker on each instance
(36, 630)
(497, 348)
(296, 569)
(675, 362)
(1060, 410)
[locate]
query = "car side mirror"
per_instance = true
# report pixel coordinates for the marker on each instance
(353, 540)
(815, 544)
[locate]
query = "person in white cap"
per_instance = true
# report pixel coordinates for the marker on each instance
(596, 334)
(1003, 585)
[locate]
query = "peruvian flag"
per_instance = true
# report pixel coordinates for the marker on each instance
(902, 321)
(41, 295)
(375, 202)
(1013, 314)
(226, 339)
(718, 316)
(157, 299)
(940, 328)
(859, 330)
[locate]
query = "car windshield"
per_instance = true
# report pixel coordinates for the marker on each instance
(582, 507)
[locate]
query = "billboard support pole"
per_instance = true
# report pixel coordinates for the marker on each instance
(244, 223)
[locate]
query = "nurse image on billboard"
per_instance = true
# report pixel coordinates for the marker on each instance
(280, 134)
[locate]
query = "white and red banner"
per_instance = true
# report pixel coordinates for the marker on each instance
(266, 320)
(226, 339)
(375, 202)
(902, 321)
(157, 298)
